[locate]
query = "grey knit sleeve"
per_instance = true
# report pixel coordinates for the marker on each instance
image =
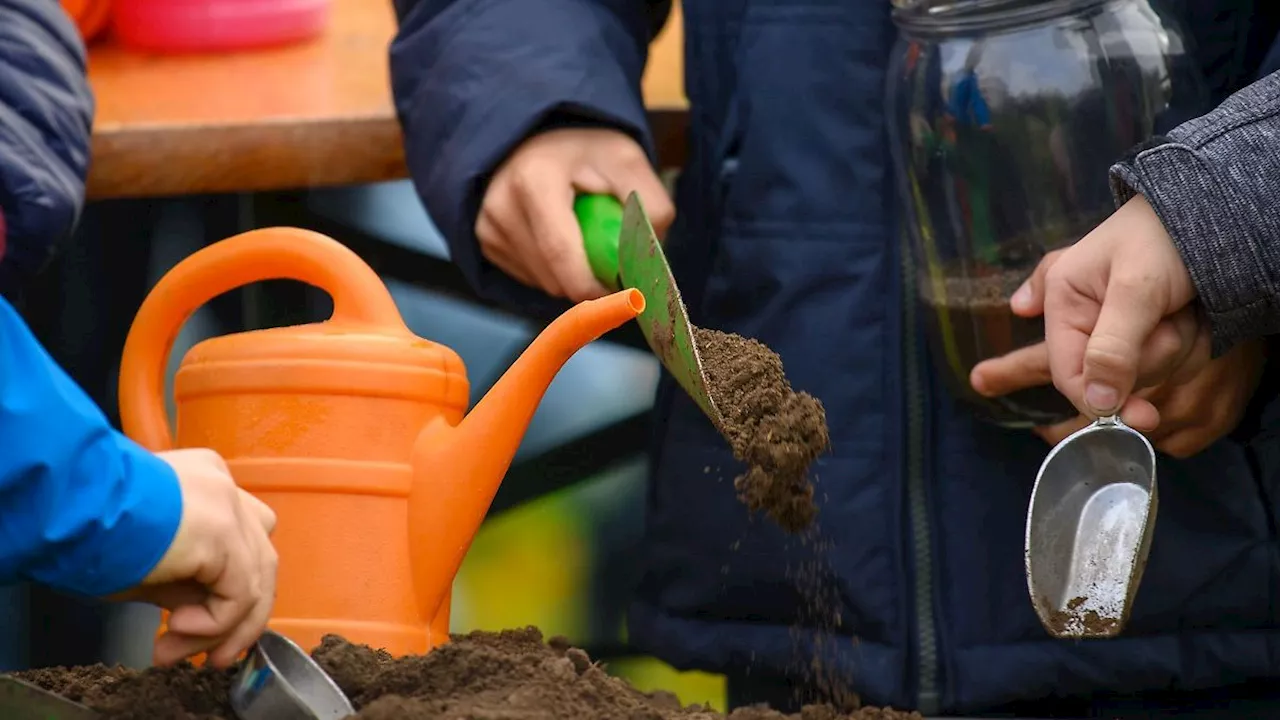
(1215, 183)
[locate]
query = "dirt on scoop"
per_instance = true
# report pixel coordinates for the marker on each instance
(511, 675)
(1073, 621)
(775, 430)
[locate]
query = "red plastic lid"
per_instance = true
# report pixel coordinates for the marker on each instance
(174, 26)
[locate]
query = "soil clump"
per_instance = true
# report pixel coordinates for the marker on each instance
(775, 430)
(511, 675)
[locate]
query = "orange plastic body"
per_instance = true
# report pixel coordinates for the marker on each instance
(352, 430)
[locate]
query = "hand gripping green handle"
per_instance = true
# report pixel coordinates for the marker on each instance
(600, 217)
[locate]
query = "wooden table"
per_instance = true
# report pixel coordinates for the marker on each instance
(302, 116)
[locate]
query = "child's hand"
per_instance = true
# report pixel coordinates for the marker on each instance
(1104, 299)
(1168, 351)
(1117, 313)
(526, 224)
(1199, 399)
(219, 573)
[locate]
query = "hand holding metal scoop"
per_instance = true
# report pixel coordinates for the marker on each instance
(1093, 510)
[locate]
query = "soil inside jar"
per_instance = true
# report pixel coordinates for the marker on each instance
(775, 430)
(969, 320)
(511, 675)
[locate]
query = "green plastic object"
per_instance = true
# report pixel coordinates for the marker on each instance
(600, 217)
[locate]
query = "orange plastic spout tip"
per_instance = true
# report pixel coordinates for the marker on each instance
(505, 411)
(457, 470)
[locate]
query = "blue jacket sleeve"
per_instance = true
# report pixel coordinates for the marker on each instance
(46, 114)
(82, 508)
(473, 78)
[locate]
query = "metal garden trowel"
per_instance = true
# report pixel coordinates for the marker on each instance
(1093, 510)
(624, 252)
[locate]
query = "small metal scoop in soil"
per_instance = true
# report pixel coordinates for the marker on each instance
(280, 681)
(624, 252)
(1093, 510)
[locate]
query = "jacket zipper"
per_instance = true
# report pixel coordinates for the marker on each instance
(926, 636)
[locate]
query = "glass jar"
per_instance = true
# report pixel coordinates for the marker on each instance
(1004, 117)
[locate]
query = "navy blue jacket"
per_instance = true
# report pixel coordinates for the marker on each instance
(82, 508)
(786, 232)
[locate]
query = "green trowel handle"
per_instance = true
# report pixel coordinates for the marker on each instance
(601, 219)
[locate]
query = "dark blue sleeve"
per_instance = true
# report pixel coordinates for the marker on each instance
(473, 78)
(46, 114)
(82, 508)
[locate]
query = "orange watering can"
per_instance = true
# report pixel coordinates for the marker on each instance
(351, 429)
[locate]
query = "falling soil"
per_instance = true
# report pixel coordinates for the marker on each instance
(775, 430)
(512, 675)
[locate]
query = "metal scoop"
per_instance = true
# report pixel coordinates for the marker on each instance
(280, 681)
(1089, 529)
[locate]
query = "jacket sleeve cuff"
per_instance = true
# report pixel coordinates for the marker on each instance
(131, 531)
(85, 509)
(1212, 233)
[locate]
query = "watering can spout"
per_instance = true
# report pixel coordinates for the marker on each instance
(458, 469)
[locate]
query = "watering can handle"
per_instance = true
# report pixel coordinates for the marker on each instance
(360, 299)
(600, 217)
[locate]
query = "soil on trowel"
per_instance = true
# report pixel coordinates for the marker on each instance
(512, 675)
(775, 430)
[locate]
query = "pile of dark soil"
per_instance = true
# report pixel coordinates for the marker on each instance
(512, 675)
(775, 430)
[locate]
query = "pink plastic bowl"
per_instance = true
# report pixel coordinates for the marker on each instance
(177, 26)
